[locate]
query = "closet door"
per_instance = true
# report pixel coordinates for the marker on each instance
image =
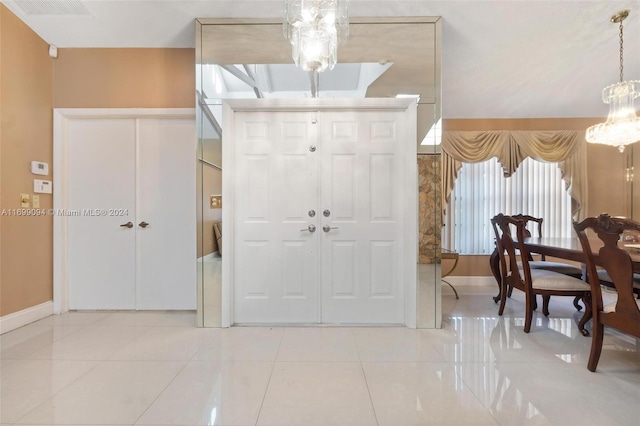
(363, 159)
(140, 173)
(276, 237)
(165, 214)
(101, 251)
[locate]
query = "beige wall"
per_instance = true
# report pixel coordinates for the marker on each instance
(608, 190)
(124, 78)
(26, 99)
(31, 84)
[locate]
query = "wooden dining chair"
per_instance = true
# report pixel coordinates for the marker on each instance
(624, 313)
(532, 281)
(543, 263)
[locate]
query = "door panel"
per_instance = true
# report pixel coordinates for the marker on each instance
(361, 174)
(166, 193)
(276, 262)
(101, 179)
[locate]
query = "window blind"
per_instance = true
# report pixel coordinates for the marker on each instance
(481, 191)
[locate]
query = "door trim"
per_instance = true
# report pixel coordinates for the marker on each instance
(230, 107)
(61, 117)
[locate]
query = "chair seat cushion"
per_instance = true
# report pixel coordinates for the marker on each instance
(604, 276)
(542, 279)
(563, 268)
(611, 307)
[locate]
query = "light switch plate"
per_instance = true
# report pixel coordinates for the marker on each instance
(24, 201)
(36, 201)
(216, 201)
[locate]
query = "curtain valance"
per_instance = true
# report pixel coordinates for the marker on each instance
(566, 147)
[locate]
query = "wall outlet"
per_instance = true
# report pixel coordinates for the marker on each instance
(24, 201)
(36, 201)
(216, 201)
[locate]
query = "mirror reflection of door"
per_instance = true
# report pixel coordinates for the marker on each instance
(240, 59)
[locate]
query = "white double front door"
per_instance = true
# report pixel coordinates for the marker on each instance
(319, 216)
(130, 200)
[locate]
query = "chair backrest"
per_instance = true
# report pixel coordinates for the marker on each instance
(502, 228)
(527, 219)
(613, 258)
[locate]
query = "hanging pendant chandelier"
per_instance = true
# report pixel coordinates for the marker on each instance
(315, 28)
(622, 126)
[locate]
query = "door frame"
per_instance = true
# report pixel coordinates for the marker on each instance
(61, 118)
(230, 107)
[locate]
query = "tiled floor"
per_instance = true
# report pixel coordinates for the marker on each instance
(158, 369)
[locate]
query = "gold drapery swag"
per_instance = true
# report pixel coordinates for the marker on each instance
(566, 147)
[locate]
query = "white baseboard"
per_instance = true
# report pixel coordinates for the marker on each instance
(25, 316)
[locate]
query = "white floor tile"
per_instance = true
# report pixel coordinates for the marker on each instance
(241, 344)
(179, 319)
(536, 392)
(323, 393)
(26, 340)
(90, 343)
(422, 393)
(318, 344)
(114, 392)
(134, 318)
(27, 384)
(394, 344)
(164, 344)
(479, 368)
(212, 393)
(73, 318)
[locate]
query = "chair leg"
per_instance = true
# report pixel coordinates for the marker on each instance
(588, 313)
(510, 291)
(576, 304)
(528, 313)
(596, 346)
(503, 298)
(545, 304)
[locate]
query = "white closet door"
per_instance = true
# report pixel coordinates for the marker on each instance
(275, 256)
(101, 179)
(166, 196)
(362, 166)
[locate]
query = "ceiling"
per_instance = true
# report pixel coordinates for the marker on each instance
(500, 59)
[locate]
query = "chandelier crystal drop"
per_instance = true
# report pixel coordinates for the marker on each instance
(315, 29)
(622, 126)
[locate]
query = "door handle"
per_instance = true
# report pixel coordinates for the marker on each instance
(328, 228)
(143, 224)
(127, 225)
(310, 228)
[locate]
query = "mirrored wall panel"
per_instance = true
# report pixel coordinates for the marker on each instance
(251, 59)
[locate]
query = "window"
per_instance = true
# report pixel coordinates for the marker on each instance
(481, 191)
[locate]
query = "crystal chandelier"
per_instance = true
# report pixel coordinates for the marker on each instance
(622, 126)
(315, 28)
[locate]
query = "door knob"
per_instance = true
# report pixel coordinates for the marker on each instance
(310, 228)
(328, 228)
(143, 224)
(127, 225)
(326, 213)
(312, 213)
(312, 148)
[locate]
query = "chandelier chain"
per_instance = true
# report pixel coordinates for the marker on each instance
(621, 54)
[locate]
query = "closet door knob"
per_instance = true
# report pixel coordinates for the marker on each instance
(127, 225)
(143, 224)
